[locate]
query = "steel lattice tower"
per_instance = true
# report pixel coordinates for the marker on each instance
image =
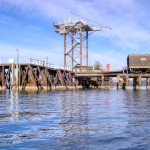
(76, 34)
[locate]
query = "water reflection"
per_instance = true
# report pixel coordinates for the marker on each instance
(74, 118)
(13, 108)
(80, 119)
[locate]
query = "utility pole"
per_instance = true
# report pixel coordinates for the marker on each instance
(17, 56)
(17, 69)
(46, 61)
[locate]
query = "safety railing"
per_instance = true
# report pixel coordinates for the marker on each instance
(33, 62)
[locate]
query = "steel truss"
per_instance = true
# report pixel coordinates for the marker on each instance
(34, 76)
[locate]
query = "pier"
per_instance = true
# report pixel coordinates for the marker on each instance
(32, 74)
(76, 72)
(119, 78)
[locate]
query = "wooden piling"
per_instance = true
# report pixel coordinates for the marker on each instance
(147, 83)
(13, 75)
(102, 78)
(17, 76)
(3, 76)
(125, 82)
(139, 82)
(134, 83)
(118, 81)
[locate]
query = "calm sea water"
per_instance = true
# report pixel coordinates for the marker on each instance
(99, 119)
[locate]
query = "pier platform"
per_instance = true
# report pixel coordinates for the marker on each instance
(34, 74)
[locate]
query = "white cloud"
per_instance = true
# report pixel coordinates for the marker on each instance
(9, 51)
(117, 61)
(128, 32)
(123, 16)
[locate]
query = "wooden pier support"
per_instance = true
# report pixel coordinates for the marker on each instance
(17, 76)
(3, 76)
(125, 82)
(147, 83)
(118, 81)
(13, 75)
(137, 83)
(134, 83)
(102, 79)
(40, 77)
(34, 77)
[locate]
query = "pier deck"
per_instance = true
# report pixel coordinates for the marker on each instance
(104, 78)
(35, 74)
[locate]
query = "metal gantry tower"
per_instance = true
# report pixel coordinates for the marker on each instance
(76, 34)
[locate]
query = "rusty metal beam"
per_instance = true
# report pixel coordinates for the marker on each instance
(3, 75)
(65, 47)
(80, 48)
(43, 76)
(66, 77)
(60, 77)
(38, 82)
(72, 50)
(24, 80)
(86, 48)
(31, 77)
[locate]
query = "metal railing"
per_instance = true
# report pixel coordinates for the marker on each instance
(34, 62)
(7, 61)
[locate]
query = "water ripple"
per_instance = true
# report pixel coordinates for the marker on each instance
(77, 119)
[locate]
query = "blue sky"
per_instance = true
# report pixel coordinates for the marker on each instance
(27, 25)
